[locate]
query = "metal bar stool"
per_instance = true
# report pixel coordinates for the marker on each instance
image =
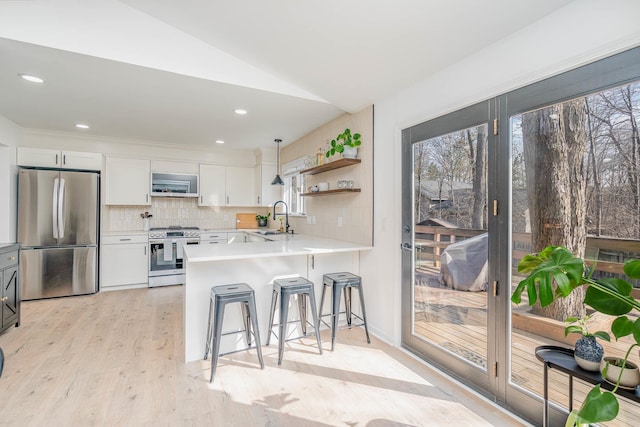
(339, 283)
(304, 289)
(220, 297)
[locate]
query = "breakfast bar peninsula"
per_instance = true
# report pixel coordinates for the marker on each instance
(257, 264)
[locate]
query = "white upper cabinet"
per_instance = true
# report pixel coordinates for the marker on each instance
(127, 181)
(265, 193)
(52, 158)
(239, 186)
(212, 186)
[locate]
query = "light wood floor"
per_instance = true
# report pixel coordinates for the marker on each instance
(116, 359)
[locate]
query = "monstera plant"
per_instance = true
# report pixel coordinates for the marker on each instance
(554, 273)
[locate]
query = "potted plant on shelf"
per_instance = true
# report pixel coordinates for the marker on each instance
(620, 371)
(345, 143)
(554, 273)
(262, 219)
(588, 352)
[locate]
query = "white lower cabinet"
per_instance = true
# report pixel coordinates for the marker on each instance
(213, 238)
(124, 261)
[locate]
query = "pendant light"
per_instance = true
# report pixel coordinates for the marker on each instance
(277, 180)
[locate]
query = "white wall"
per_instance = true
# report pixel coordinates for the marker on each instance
(577, 34)
(9, 139)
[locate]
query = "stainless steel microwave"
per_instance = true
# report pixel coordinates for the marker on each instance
(174, 184)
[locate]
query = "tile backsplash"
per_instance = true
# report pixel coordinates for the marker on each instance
(168, 211)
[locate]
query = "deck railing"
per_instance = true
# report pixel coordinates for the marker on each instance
(610, 253)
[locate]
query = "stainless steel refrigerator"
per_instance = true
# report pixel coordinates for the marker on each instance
(58, 228)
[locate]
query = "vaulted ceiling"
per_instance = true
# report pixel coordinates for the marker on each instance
(174, 72)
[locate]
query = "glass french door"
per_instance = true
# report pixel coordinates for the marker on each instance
(448, 299)
(555, 162)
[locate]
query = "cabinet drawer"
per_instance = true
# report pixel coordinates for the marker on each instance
(8, 259)
(125, 238)
(213, 236)
(213, 241)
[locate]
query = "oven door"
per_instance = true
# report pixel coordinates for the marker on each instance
(162, 258)
(165, 261)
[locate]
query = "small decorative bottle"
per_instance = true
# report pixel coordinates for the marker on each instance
(319, 157)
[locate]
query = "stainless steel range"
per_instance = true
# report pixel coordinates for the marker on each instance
(166, 249)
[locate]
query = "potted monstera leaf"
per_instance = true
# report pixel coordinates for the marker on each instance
(554, 273)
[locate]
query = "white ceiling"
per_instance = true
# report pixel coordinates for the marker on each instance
(173, 72)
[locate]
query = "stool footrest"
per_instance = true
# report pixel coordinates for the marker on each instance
(347, 326)
(237, 351)
(237, 332)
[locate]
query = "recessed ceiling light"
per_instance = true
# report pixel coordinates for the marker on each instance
(219, 141)
(82, 126)
(30, 78)
(240, 111)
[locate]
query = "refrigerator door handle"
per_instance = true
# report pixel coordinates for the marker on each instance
(54, 210)
(61, 209)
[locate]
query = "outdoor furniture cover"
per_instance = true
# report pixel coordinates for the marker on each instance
(464, 264)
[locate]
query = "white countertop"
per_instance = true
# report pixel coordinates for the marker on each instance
(281, 245)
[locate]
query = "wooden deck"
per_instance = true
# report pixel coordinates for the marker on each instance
(456, 321)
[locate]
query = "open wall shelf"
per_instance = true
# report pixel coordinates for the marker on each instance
(336, 164)
(337, 191)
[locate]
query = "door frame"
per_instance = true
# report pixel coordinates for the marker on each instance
(616, 70)
(474, 115)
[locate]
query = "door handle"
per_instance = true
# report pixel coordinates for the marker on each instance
(61, 209)
(54, 209)
(406, 247)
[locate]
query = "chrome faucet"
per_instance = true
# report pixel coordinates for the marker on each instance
(286, 214)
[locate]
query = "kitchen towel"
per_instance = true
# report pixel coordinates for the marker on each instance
(180, 243)
(168, 249)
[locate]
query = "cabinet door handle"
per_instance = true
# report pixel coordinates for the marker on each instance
(227, 199)
(145, 250)
(12, 258)
(124, 240)
(201, 200)
(64, 159)
(258, 200)
(56, 160)
(146, 198)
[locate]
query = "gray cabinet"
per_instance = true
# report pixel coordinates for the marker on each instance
(10, 292)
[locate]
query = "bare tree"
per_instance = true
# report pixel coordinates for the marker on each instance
(554, 145)
(479, 162)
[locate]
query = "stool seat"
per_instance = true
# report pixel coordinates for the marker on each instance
(340, 283)
(219, 298)
(285, 288)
